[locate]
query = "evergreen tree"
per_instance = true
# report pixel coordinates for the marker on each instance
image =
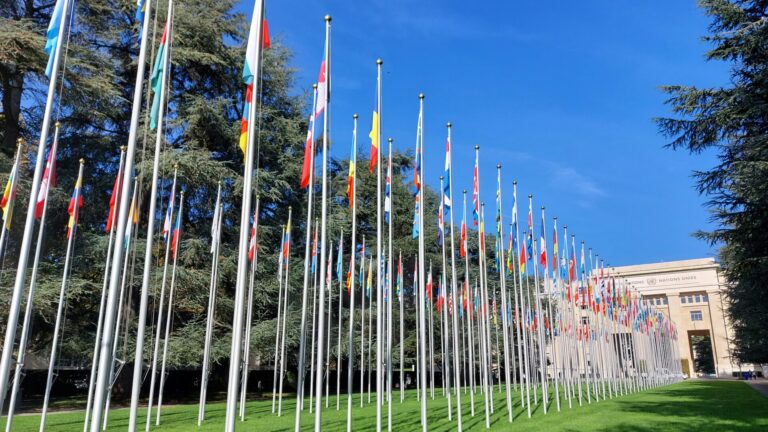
(731, 121)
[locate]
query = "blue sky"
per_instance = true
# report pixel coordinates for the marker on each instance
(563, 97)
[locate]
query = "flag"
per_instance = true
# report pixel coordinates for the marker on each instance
(265, 41)
(476, 192)
(495, 311)
(215, 224)
(141, 9)
(314, 251)
(428, 287)
(176, 234)
(417, 161)
(48, 181)
(510, 247)
(543, 246)
(323, 93)
(554, 244)
(113, 199)
(439, 302)
(529, 236)
(374, 135)
(415, 229)
(369, 281)
(339, 256)
(75, 204)
(133, 219)
(399, 291)
(447, 175)
(351, 176)
(158, 75)
(523, 259)
(252, 244)
(309, 152)
(286, 241)
(250, 69)
(463, 242)
(9, 195)
(440, 226)
(388, 191)
(52, 35)
(169, 213)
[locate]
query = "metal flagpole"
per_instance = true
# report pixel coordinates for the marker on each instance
(456, 370)
(445, 371)
(161, 307)
(351, 277)
(522, 330)
(329, 285)
(138, 362)
(369, 287)
(323, 232)
(539, 327)
(314, 325)
(100, 323)
(277, 326)
(389, 300)
(169, 316)
(340, 258)
(422, 324)
(60, 310)
(105, 360)
(362, 325)
(249, 313)
(281, 376)
(504, 303)
(26, 327)
(29, 224)
(470, 333)
(379, 341)
(484, 301)
(300, 375)
(402, 339)
(218, 216)
(431, 336)
(242, 258)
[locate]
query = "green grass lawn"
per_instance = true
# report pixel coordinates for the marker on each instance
(687, 406)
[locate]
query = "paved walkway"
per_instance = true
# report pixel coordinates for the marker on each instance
(760, 385)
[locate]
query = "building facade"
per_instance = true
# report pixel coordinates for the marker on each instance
(690, 293)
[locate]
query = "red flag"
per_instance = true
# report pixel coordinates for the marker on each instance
(308, 157)
(463, 242)
(48, 181)
(265, 42)
(113, 199)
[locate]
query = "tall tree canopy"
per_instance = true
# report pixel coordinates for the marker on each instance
(733, 121)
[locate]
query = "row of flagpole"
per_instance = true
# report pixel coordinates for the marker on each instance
(589, 337)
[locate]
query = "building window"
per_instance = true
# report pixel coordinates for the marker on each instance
(705, 297)
(666, 301)
(696, 315)
(690, 299)
(698, 298)
(682, 299)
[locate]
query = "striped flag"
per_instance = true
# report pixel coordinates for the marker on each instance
(158, 75)
(388, 191)
(141, 9)
(252, 245)
(167, 224)
(48, 181)
(351, 176)
(447, 174)
(113, 199)
(9, 194)
(251, 68)
(52, 35)
(75, 204)
(176, 233)
(476, 192)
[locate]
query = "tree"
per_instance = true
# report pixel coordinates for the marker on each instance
(732, 121)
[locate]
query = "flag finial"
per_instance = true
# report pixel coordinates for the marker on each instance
(448, 125)
(390, 140)
(477, 147)
(82, 161)
(19, 141)
(565, 226)
(441, 178)
(498, 166)
(354, 116)
(379, 61)
(182, 193)
(514, 182)
(57, 124)
(123, 148)
(465, 191)
(314, 86)
(327, 18)
(542, 207)
(176, 166)
(530, 195)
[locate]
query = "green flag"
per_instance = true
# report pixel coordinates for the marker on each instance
(156, 80)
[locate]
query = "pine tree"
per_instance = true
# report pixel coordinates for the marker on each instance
(732, 122)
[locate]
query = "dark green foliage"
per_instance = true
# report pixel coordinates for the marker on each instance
(732, 122)
(705, 360)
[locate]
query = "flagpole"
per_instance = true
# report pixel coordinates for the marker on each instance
(249, 313)
(482, 322)
(277, 326)
(215, 240)
(161, 307)
(362, 325)
(323, 233)
(314, 322)
(456, 370)
(100, 323)
(470, 335)
(378, 250)
(25, 327)
(402, 348)
(390, 260)
(422, 324)
(242, 258)
(29, 224)
(285, 315)
(169, 316)
(352, 252)
(338, 343)
(522, 331)
(445, 371)
(504, 303)
(329, 287)
(62, 292)
(303, 328)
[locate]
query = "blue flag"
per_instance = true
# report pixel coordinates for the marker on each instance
(52, 35)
